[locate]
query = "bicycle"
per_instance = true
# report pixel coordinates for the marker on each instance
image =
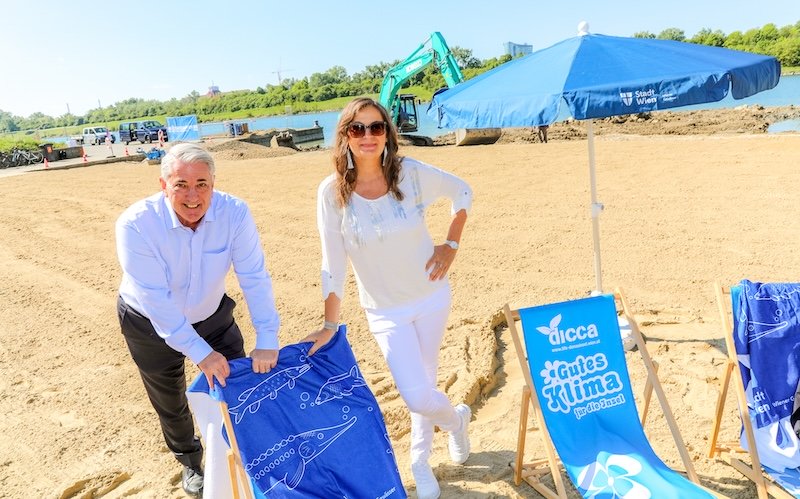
(22, 157)
(5, 160)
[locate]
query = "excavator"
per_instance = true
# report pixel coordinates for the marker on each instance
(403, 107)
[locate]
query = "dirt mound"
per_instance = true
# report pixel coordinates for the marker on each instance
(241, 149)
(744, 119)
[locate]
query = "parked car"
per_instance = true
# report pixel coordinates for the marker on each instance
(143, 131)
(96, 135)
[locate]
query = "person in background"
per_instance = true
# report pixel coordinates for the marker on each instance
(175, 248)
(541, 131)
(403, 118)
(371, 211)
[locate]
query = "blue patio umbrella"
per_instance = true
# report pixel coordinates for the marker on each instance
(597, 76)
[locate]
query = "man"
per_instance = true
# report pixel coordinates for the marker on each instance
(403, 119)
(175, 249)
(542, 133)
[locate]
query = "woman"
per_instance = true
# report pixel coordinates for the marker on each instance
(372, 212)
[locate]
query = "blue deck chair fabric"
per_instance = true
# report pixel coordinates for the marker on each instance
(578, 367)
(766, 334)
(788, 479)
(311, 427)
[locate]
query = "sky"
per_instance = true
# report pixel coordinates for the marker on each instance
(75, 56)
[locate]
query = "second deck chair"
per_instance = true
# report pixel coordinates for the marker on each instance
(578, 385)
(310, 428)
(770, 336)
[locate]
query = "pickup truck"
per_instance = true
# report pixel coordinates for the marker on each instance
(94, 135)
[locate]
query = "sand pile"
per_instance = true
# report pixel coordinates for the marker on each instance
(744, 119)
(238, 149)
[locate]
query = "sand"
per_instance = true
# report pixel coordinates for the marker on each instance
(680, 213)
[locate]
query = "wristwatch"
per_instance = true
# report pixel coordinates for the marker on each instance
(452, 244)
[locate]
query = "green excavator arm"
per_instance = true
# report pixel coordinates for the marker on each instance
(433, 51)
(402, 107)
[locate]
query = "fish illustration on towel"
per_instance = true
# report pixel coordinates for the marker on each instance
(286, 461)
(340, 386)
(778, 293)
(252, 397)
(763, 329)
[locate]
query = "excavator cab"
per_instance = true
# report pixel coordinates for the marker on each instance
(406, 114)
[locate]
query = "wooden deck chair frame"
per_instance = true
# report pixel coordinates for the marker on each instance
(240, 482)
(533, 472)
(732, 452)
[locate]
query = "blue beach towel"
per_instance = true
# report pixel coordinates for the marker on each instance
(578, 367)
(767, 340)
(310, 427)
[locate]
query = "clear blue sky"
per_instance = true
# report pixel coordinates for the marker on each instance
(59, 54)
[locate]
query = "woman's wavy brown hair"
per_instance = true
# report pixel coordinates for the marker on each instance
(346, 179)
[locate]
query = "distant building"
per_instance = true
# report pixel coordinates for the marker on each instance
(516, 49)
(212, 91)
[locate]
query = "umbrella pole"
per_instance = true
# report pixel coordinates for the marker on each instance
(596, 209)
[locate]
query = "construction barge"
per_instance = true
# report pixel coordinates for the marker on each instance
(286, 137)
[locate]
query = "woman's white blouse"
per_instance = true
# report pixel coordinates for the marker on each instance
(386, 240)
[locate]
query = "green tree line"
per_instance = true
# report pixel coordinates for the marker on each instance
(782, 43)
(327, 90)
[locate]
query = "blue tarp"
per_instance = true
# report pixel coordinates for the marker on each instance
(311, 427)
(581, 379)
(183, 128)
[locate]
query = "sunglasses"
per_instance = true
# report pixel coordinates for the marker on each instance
(357, 130)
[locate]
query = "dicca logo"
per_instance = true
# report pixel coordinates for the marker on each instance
(558, 336)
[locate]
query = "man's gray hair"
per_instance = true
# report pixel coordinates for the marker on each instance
(185, 153)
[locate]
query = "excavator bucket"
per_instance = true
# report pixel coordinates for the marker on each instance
(475, 136)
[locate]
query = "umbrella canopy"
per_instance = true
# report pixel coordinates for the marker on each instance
(597, 76)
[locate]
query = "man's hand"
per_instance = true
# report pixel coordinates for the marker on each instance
(215, 365)
(264, 360)
(320, 339)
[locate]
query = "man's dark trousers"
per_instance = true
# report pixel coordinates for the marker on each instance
(162, 371)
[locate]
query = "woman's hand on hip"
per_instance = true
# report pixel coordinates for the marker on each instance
(320, 339)
(439, 263)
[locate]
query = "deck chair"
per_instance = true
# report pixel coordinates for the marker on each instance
(225, 475)
(577, 383)
(311, 427)
(761, 327)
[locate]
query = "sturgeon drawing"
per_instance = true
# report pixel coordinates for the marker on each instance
(766, 331)
(252, 397)
(286, 461)
(340, 386)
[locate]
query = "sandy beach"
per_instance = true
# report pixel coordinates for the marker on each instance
(681, 211)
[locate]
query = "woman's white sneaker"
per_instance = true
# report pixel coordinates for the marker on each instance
(427, 485)
(458, 441)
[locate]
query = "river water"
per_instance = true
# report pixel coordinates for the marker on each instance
(786, 93)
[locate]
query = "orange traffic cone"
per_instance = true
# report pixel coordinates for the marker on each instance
(84, 155)
(126, 151)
